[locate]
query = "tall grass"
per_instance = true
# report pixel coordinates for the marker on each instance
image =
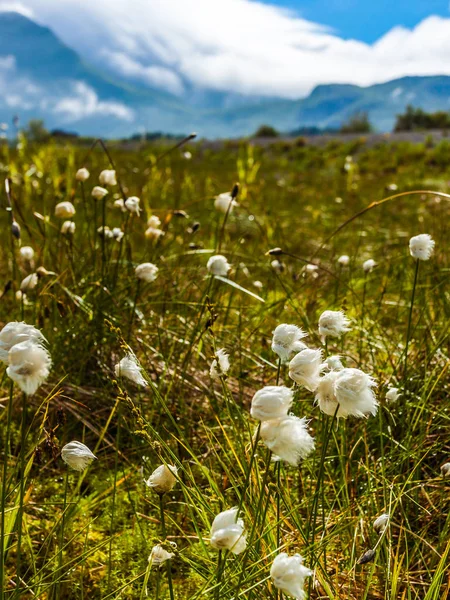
(90, 537)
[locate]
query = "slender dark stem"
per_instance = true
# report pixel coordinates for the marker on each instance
(113, 508)
(164, 534)
(220, 568)
(133, 309)
(408, 333)
(21, 494)
(61, 540)
(4, 489)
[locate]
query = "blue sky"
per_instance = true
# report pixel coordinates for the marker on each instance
(363, 19)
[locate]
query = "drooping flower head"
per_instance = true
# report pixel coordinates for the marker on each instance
(333, 323)
(29, 282)
(77, 456)
(146, 272)
(132, 204)
(228, 532)
(29, 365)
(159, 555)
(130, 368)
(225, 203)
(64, 210)
(381, 523)
(286, 340)
(349, 392)
(271, 402)
(421, 246)
(220, 365)
(287, 438)
(305, 368)
(393, 394)
(163, 479)
(218, 265)
(288, 574)
(15, 332)
(82, 174)
(107, 177)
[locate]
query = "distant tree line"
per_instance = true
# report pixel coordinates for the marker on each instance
(414, 119)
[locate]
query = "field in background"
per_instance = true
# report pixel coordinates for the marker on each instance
(299, 198)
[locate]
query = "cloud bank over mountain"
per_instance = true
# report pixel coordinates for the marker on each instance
(238, 46)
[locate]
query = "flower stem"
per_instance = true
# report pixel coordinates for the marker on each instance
(113, 508)
(4, 489)
(163, 531)
(61, 540)
(408, 333)
(220, 569)
(21, 494)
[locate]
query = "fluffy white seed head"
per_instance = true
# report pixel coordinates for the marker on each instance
(333, 323)
(344, 260)
(82, 174)
(163, 479)
(271, 402)
(130, 368)
(277, 265)
(325, 396)
(132, 204)
(159, 555)
(117, 234)
(15, 332)
(286, 340)
(107, 177)
(287, 438)
(305, 368)
(334, 363)
(26, 253)
(105, 232)
(224, 203)
(349, 392)
(288, 574)
(393, 394)
(153, 233)
(146, 272)
(98, 192)
(29, 365)
(381, 523)
(120, 204)
(154, 221)
(220, 365)
(29, 282)
(228, 532)
(68, 228)
(64, 210)
(421, 246)
(369, 265)
(218, 265)
(445, 470)
(77, 456)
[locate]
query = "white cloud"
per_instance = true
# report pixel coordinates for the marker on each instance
(18, 7)
(83, 102)
(241, 46)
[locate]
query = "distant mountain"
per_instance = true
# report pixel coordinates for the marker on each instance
(40, 77)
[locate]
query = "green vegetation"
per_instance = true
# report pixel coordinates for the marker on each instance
(357, 123)
(416, 119)
(89, 535)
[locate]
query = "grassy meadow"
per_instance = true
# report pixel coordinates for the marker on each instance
(88, 535)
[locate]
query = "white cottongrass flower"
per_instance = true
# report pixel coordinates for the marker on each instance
(333, 323)
(117, 234)
(29, 365)
(64, 210)
(153, 233)
(132, 205)
(334, 363)
(107, 177)
(305, 368)
(16, 332)
(218, 265)
(344, 260)
(369, 265)
(105, 231)
(82, 174)
(271, 402)
(381, 523)
(146, 272)
(393, 394)
(277, 265)
(287, 438)
(220, 365)
(77, 456)
(187, 155)
(68, 228)
(29, 282)
(120, 204)
(27, 253)
(288, 574)
(258, 284)
(286, 340)
(347, 392)
(163, 479)
(421, 246)
(159, 555)
(445, 470)
(224, 203)
(228, 532)
(130, 368)
(153, 221)
(98, 192)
